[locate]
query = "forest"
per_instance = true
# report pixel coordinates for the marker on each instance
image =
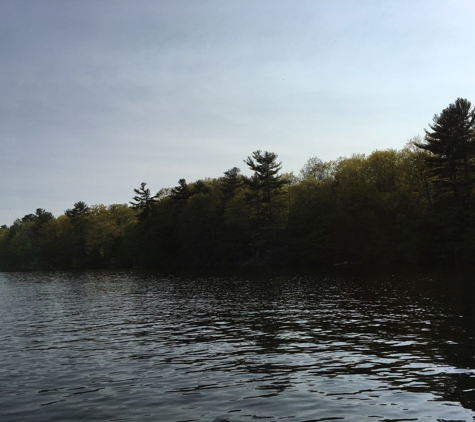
(413, 206)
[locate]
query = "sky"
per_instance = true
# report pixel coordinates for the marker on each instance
(98, 96)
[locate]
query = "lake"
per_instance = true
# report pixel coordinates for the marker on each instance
(144, 346)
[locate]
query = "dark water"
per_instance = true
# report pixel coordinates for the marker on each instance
(110, 346)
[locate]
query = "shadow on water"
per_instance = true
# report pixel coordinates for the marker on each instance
(418, 334)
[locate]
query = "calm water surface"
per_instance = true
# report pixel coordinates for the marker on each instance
(110, 346)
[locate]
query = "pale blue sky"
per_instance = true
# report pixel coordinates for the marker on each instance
(99, 96)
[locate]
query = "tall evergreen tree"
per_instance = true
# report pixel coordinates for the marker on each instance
(451, 160)
(180, 193)
(78, 217)
(265, 186)
(143, 201)
(231, 181)
(451, 144)
(266, 182)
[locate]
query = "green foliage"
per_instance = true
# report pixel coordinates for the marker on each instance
(408, 206)
(180, 193)
(231, 182)
(265, 184)
(264, 189)
(144, 201)
(78, 217)
(311, 222)
(316, 169)
(451, 144)
(20, 248)
(198, 227)
(56, 244)
(105, 229)
(77, 213)
(4, 243)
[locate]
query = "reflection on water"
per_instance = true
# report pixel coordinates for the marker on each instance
(134, 346)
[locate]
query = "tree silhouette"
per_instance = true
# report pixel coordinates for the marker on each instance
(143, 201)
(180, 193)
(231, 181)
(451, 144)
(265, 186)
(78, 218)
(265, 183)
(451, 160)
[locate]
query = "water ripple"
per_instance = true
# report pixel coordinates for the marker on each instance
(138, 346)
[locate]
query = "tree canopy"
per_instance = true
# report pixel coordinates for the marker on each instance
(409, 206)
(451, 144)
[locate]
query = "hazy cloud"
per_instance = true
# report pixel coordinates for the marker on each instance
(99, 96)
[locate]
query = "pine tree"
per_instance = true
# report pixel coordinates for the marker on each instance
(265, 186)
(451, 144)
(451, 160)
(180, 193)
(265, 183)
(78, 216)
(231, 181)
(143, 201)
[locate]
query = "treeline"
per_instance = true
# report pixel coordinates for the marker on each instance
(392, 207)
